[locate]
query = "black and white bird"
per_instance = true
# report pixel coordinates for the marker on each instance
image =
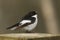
(28, 23)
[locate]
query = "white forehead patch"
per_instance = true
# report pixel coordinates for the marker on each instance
(34, 15)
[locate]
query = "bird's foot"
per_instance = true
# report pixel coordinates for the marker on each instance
(29, 32)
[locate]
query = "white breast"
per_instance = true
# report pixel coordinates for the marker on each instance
(32, 26)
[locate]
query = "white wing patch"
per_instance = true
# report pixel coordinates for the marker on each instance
(25, 21)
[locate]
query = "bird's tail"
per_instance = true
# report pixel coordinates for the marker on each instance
(13, 27)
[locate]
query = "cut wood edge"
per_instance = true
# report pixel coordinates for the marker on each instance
(28, 35)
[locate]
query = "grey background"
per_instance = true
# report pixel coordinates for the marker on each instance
(12, 11)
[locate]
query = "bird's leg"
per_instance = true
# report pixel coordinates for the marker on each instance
(29, 31)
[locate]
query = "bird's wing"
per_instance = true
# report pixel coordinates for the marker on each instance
(19, 25)
(24, 23)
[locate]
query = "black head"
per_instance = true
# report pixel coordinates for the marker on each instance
(32, 13)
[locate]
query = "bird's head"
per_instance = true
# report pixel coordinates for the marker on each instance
(32, 13)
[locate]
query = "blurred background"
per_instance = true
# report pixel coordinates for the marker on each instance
(12, 11)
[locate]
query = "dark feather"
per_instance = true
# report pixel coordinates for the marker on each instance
(23, 25)
(13, 26)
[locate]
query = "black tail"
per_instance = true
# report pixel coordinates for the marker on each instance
(13, 26)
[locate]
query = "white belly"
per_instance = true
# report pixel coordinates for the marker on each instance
(32, 26)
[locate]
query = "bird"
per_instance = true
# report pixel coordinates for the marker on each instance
(28, 22)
